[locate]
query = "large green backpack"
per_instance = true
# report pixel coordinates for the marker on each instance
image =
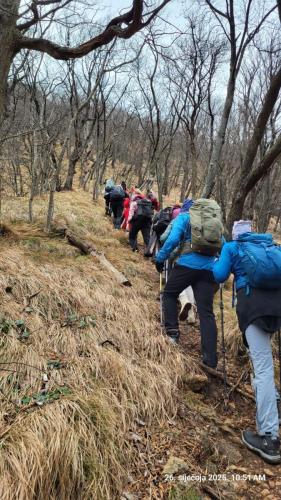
(206, 227)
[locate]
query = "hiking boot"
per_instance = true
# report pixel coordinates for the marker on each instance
(185, 308)
(191, 316)
(267, 447)
(173, 339)
(210, 360)
(173, 336)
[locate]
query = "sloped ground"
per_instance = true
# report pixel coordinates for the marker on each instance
(120, 402)
(108, 366)
(199, 454)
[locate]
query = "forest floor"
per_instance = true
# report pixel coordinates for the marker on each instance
(199, 453)
(125, 415)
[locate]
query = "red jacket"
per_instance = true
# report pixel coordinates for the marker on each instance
(125, 214)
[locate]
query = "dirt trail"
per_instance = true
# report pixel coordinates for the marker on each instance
(205, 434)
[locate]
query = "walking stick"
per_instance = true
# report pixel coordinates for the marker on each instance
(279, 353)
(223, 340)
(161, 300)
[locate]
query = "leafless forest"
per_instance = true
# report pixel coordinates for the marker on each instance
(191, 101)
(183, 95)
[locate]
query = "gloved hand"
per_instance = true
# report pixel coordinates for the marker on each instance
(159, 266)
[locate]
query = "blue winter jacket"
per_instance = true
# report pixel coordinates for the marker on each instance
(181, 231)
(230, 261)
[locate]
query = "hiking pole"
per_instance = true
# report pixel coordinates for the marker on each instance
(279, 353)
(223, 341)
(161, 300)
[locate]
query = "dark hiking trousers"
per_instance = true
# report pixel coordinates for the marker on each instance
(204, 288)
(107, 203)
(117, 210)
(142, 224)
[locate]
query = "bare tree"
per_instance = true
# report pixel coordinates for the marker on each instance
(239, 41)
(16, 22)
(255, 168)
(191, 69)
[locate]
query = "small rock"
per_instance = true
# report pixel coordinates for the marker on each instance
(128, 496)
(133, 436)
(175, 465)
(271, 484)
(264, 493)
(269, 472)
(140, 422)
(229, 451)
(130, 479)
(236, 467)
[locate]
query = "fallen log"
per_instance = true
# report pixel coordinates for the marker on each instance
(88, 248)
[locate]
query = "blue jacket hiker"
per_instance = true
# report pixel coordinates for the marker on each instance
(253, 259)
(191, 269)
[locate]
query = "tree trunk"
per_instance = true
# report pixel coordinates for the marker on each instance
(8, 17)
(51, 205)
(74, 157)
(193, 167)
(248, 183)
(213, 168)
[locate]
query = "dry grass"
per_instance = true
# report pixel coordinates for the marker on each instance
(76, 444)
(233, 336)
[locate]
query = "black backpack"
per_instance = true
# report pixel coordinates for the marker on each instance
(162, 220)
(144, 208)
(117, 193)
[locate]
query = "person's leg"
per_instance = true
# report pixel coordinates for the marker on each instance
(107, 204)
(119, 210)
(266, 441)
(261, 356)
(145, 230)
(114, 211)
(179, 278)
(204, 295)
(133, 234)
(186, 299)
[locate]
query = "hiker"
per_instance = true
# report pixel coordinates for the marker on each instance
(109, 185)
(259, 316)
(160, 223)
(125, 215)
(116, 196)
(186, 297)
(124, 187)
(194, 268)
(150, 195)
(140, 218)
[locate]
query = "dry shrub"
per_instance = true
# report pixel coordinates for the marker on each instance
(101, 345)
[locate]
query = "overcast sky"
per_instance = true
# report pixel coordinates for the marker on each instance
(113, 7)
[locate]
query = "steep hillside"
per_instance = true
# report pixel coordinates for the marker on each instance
(95, 403)
(99, 343)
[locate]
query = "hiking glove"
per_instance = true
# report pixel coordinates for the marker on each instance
(159, 266)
